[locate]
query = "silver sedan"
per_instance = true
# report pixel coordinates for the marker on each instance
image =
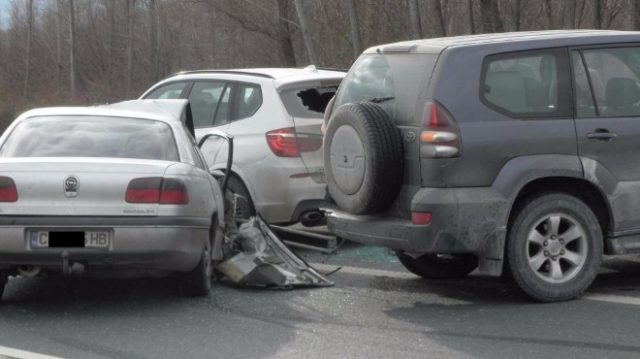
(119, 189)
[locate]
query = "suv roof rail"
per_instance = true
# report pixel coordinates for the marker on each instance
(248, 73)
(314, 67)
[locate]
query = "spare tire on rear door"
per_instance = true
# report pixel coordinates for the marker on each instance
(363, 158)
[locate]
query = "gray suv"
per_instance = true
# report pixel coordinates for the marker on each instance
(513, 153)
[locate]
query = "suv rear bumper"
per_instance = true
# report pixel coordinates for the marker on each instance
(465, 220)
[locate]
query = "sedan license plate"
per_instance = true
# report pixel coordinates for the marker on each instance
(70, 239)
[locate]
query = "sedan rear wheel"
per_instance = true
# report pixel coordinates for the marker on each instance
(197, 283)
(4, 278)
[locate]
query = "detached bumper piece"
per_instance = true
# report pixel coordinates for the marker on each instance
(261, 259)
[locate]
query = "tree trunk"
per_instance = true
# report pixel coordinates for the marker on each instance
(306, 35)
(414, 17)
(25, 90)
(130, 11)
(472, 25)
(154, 41)
(72, 51)
(491, 18)
(58, 42)
(355, 28)
(438, 18)
(284, 35)
(598, 9)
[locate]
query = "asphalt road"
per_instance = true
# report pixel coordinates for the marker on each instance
(375, 310)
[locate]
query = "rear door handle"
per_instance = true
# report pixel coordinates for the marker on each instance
(601, 134)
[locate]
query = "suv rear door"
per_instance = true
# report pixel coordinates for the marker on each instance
(607, 82)
(305, 102)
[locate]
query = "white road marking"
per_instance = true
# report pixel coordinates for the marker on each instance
(364, 271)
(11, 353)
(612, 298)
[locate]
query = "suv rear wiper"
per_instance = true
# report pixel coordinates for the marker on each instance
(380, 99)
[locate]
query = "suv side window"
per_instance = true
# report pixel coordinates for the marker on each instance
(204, 98)
(170, 91)
(614, 75)
(247, 100)
(528, 84)
(585, 106)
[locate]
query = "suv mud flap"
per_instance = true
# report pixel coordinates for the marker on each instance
(261, 259)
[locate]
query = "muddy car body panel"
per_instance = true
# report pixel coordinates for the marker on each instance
(503, 156)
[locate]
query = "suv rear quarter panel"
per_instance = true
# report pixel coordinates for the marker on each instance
(490, 139)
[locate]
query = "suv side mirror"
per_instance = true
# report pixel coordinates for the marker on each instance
(229, 139)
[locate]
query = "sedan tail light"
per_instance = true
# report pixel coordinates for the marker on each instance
(8, 190)
(286, 142)
(157, 190)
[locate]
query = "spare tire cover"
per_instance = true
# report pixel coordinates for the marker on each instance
(363, 157)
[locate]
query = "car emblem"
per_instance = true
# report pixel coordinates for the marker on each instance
(410, 136)
(71, 186)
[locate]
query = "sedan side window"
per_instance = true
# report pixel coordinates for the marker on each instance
(614, 75)
(204, 99)
(170, 91)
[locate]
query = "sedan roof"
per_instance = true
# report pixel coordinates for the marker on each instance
(169, 111)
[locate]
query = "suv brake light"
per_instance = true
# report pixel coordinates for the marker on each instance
(441, 136)
(157, 190)
(286, 142)
(8, 190)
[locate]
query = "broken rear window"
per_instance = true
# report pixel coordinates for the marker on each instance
(308, 102)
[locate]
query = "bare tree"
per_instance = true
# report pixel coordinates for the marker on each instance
(130, 15)
(414, 17)
(491, 19)
(72, 50)
(154, 41)
(27, 65)
(354, 28)
(306, 33)
(284, 33)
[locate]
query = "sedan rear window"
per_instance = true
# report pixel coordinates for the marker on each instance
(82, 136)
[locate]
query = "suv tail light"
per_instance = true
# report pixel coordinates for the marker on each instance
(8, 190)
(441, 136)
(286, 142)
(157, 190)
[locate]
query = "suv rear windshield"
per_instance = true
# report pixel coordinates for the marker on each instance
(392, 79)
(82, 136)
(308, 102)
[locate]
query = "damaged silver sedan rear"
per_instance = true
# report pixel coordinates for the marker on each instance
(119, 189)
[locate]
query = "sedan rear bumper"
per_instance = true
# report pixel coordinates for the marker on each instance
(150, 243)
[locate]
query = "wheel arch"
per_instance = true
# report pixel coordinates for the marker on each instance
(578, 187)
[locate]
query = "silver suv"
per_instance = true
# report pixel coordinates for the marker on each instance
(275, 116)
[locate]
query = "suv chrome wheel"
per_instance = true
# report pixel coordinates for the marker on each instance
(557, 248)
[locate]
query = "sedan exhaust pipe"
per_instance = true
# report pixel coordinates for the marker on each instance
(312, 218)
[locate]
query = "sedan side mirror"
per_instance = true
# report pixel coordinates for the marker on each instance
(229, 139)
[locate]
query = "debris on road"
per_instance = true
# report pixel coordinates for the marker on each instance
(257, 257)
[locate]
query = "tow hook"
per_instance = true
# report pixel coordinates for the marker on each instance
(71, 268)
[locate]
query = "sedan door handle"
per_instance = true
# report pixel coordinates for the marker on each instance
(601, 134)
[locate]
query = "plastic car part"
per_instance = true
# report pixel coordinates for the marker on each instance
(258, 257)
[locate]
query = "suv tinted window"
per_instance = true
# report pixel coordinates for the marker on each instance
(248, 99)
(614, 77)
(584, 97)
(170, 91)
(204, 99)
(398, 78)
(527, 84)
(307, 102)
